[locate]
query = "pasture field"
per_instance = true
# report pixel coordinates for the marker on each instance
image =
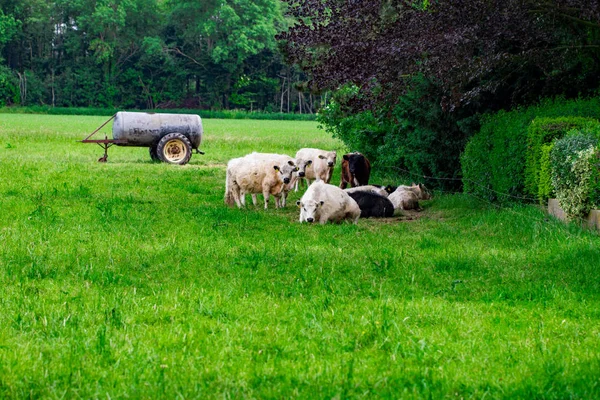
(132, 279)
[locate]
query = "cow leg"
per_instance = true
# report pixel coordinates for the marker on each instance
(283, 199)
(254, 201)
(266, 194)
(343, 184)
(243, 199)
(236, 195)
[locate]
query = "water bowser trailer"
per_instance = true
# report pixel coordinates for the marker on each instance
(170, 138)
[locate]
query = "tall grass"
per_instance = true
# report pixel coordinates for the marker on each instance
(133, 279)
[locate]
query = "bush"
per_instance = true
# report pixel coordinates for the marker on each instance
(493, 163)
(540, 133)
(410, 139)
(574, 161)
(545, 188)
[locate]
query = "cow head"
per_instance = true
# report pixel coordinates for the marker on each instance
(286, 171)
(425, 193)
(309, 210)
(356, 161)
(301, 165)
(330, 158)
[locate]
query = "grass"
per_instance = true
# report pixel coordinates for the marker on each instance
(132, 279)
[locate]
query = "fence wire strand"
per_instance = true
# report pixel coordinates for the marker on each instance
(545, 220)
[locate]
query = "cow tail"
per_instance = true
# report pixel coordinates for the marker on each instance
(229, 199)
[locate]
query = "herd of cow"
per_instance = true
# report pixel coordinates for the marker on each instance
(278, 174)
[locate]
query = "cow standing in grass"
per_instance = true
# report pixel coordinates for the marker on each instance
(321, 167)
(258, 173)
(323, 202)
(356, 170)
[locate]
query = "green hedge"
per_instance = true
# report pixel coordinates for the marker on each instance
(541, 132)
(493, 163)
(545, 188)
(223, 114)
(574, 162)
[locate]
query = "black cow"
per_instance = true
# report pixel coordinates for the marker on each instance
(373, 205)
(356, 170)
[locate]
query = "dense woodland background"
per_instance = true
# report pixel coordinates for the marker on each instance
(147, 54)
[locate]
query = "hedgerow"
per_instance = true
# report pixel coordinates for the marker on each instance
(574, 163)
(494, 160)
(540, 133)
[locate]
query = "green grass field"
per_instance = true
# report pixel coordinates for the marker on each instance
(132, 279)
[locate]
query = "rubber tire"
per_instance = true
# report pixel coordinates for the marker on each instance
(166, 143)
(154, 153)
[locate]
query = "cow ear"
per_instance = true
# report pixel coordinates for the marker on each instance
(291, 163)
(321, 203)
(346, 157)
(413, 184)
(299, 204)
(276, 168)
(322, 157)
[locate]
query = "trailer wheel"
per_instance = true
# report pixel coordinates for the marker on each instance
(174, 148)
(154, 152)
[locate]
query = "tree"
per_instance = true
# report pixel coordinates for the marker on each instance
(217, 38)
(514, 50)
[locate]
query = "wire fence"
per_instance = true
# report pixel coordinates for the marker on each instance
(543, 219)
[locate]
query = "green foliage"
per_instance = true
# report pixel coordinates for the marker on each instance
(131, 279)
(493, 163)
(540, 132)
(574, 162)
(8, 27)
(545, 188)
(145, 54)
(414, 138)
(9, 87)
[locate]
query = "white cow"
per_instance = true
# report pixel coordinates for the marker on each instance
(407, 197)
(404, 199)
(323, 202)
(321, 167)
(302, 164)
(369, 188)
(258, 173)
(280, 201)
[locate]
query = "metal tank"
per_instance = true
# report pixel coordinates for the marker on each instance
(147, 129)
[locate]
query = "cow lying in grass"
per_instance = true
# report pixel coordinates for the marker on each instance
(264, 173)
(407, 197)
(372, 204)
(327, 203)
(380, 190)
